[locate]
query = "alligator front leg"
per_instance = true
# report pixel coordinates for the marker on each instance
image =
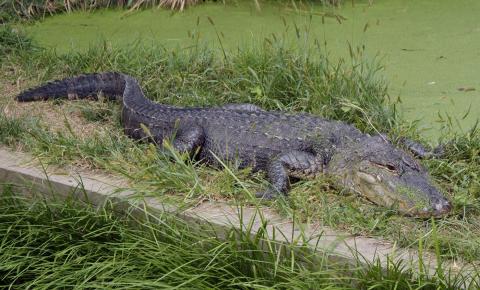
(297, 164)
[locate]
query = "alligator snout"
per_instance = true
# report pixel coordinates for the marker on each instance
(441, 207)
(420, 190)
(412, 192)
(438, 209)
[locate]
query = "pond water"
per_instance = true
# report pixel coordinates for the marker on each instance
(430, 48)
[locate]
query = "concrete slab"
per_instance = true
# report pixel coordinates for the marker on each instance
(15, 169)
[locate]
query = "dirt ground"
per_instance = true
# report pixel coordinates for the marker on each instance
(55, 116)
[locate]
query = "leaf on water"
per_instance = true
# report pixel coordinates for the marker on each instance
(339, 19)
(466, 89)
(467, 112)
(297, 30)
(365, 27)
(210, 20)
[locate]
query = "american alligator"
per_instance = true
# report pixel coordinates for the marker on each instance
(284, 145)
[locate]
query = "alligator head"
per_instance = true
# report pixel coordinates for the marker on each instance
(388, 176)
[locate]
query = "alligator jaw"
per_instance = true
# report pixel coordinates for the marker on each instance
(388, 176)
(422, 200)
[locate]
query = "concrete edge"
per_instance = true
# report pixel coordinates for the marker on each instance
(328, 243)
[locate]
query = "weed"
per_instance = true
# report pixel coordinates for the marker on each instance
(13, 41)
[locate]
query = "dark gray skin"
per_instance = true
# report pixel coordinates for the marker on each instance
(283, 145)
(418, 150)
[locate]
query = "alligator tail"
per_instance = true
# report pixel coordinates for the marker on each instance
(110, 84)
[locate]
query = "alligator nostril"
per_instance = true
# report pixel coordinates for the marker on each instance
(447, 206)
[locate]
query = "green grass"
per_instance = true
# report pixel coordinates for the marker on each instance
(274, 77)
(12, 41)
(56, 244)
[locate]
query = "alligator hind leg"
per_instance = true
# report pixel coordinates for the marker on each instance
(420, 151)
(298, 164)
(188, 139)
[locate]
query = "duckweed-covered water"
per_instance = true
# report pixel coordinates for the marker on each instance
(430, 48)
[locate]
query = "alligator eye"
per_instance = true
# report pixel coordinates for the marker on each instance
(389, 167)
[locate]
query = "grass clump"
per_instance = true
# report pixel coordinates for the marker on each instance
(12, 130)
(13, 42)
(45, 244)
